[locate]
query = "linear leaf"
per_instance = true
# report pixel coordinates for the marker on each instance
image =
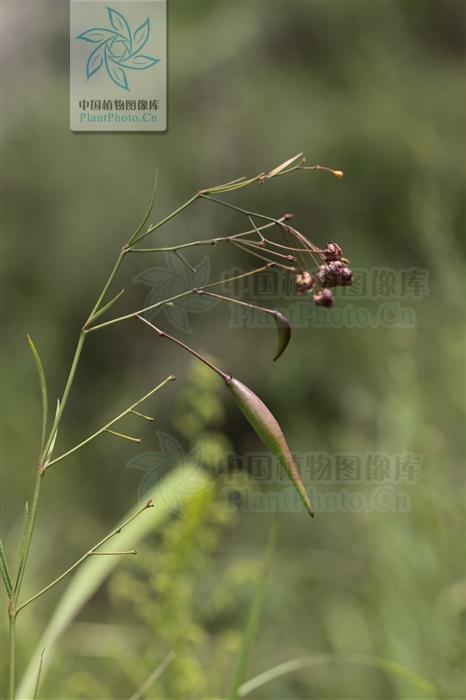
(43, 389)
(107, 306)
(39, 674)
(324, 659)
(254, 613)
(5, 572)
(54, 439)
(133, 239)
(22, 548)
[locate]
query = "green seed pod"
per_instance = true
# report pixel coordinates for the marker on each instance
(284, 333)
(269, 431)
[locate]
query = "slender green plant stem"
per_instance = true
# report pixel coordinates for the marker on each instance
(29, 528)
(240, 209)
(207, 241)
(64, 399)
(47, 451)
(106, 287)
(12, 657)
(91, 551)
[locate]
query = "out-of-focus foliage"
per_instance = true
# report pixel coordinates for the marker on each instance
(374, 89)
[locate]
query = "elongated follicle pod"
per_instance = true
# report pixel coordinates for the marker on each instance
(258, 416)
(267, 428)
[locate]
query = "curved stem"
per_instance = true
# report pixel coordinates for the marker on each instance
(162, 334)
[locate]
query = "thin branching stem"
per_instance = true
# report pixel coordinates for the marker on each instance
(89, 553)
(154, 227)
(157, 304)
(108, 425)
(207, 241)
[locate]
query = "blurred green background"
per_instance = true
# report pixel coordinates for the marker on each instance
(374, 89)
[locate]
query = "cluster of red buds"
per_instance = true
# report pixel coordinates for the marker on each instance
(334, 272)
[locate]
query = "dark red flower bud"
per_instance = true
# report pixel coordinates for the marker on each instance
(346, 277)
(334, 273)
(323, 298)
(332, 251)
(303, 282)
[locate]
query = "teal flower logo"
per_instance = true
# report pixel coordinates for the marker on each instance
(118, 49)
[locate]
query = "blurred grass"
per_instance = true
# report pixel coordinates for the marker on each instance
(376, 89)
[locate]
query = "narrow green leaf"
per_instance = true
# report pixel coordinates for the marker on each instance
(134, 237)
(283, 166)
(153, 676)
(43, 389)
(106, 307)
(5, 572)
(254, 613)
(22, 547)
(54, 438)
(269, 431)
(284, 333)
(391, 667)
(185, 483)
(39, 674)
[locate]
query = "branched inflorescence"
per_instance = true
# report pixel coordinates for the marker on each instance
(314, 271)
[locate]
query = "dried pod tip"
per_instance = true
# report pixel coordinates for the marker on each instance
(323, 298)
(284, 333)
(287, 216)
(304, 282)
(338, 173)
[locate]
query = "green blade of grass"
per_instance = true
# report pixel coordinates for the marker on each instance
(39, 674)
(254, 613)
(391, 667)
(5, 572)
(106, 306)
(43, 389)
(184, 483)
